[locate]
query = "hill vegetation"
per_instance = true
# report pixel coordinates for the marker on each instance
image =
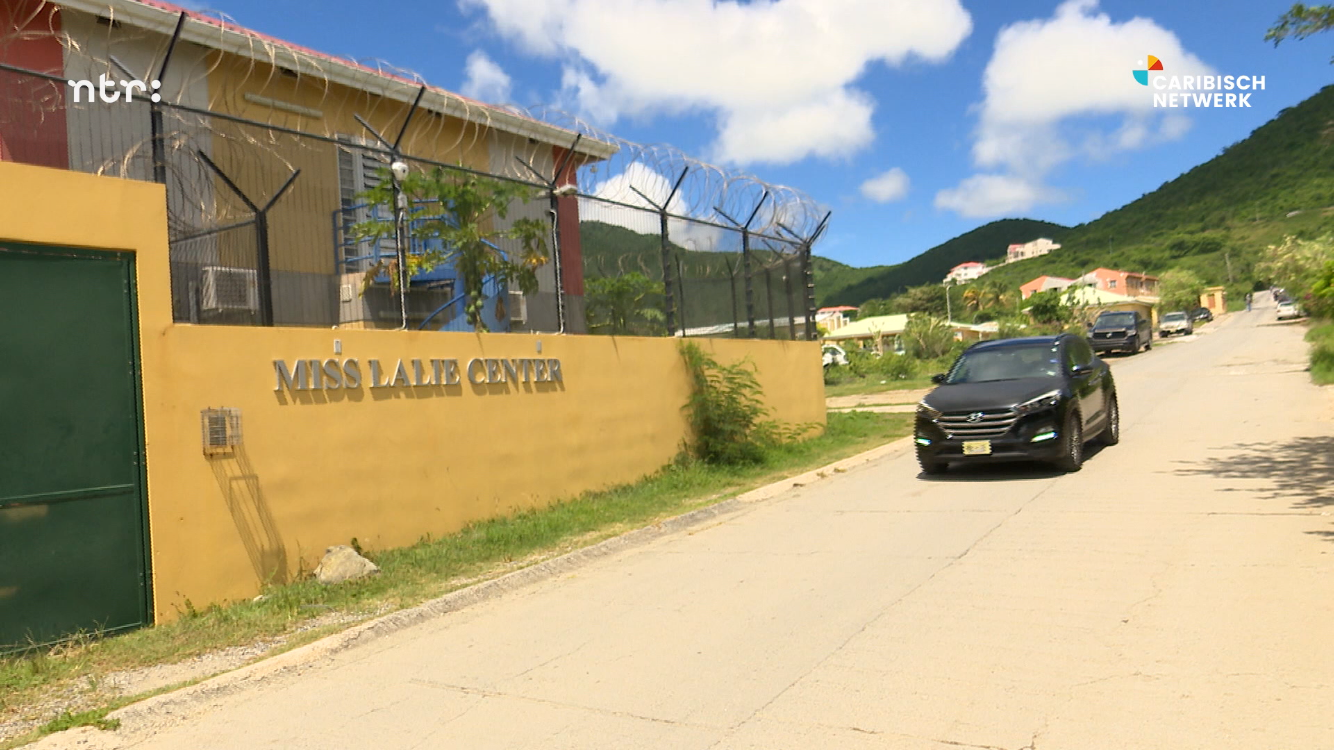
(1216, 219)
(986, 243)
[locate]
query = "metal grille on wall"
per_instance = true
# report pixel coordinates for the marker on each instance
(266, 152)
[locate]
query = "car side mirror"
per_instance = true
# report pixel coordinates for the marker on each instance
(938, 379)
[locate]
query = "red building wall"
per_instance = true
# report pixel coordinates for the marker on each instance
(32, 110)
(567, 219)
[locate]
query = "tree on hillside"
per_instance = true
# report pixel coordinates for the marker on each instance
(928, 298)
(1180, 289)
(1296, 264)
(874, 307)
(927, 337)
(1050, 308)
(1300, 22)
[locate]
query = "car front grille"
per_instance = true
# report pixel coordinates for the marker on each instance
(1109, 334)
(987, 424)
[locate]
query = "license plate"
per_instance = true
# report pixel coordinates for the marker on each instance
(977, 448)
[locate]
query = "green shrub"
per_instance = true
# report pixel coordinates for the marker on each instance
(1322, 353)
(725, 412)
(926, 337)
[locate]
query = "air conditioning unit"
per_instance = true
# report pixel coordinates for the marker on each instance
(517, 305)
(225, 288)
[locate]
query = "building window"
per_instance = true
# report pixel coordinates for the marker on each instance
(1111, 283)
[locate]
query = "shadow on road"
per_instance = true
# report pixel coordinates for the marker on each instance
(1300, 470)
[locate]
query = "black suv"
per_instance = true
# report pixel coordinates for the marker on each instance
(1124, 330)
(1034, 398)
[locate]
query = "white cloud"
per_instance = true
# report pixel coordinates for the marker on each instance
(580, 93)
(762, 67)
(888, 187)
(1048, 83)
(486, 80)
(990, 195)
(834, 125)
(656, 187)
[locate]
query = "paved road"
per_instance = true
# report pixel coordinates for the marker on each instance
(1176, 593)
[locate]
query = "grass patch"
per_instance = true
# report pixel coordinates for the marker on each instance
(860, 386)
(96, 718)
(426, 570)
(1322, 353)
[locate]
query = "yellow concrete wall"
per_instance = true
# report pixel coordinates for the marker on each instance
(387, 466)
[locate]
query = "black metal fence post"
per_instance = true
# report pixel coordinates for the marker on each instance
(665, 235)
(668, 301)
(787, 288)
(681, 282)
(554, 191)
(769, 297)
(745, 257)
(731, 283)
(263, 272)
(808, 281)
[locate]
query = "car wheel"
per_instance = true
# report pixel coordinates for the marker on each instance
(1111, 433)
(930, 466)
(1073, 444)
(1148, 344)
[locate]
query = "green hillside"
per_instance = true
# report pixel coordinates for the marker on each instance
(985, 243)
(1216, 218)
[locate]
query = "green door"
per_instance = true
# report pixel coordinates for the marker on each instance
(73, 536)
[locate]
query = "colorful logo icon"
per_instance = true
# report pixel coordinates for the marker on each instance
(1141, 70)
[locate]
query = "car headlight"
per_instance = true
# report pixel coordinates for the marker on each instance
(926, 410)
(1046, 401)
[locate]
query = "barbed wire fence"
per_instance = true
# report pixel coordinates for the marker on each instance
(265, 150)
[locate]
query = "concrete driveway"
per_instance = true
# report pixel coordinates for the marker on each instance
(1176, 593)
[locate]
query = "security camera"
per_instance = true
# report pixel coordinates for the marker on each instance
(565, 190)
(400, 170)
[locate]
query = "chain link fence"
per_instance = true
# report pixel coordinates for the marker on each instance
(266, 178)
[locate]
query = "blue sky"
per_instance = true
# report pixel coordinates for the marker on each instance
(976, 110)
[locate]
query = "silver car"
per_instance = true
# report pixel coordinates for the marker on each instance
(1175, 322)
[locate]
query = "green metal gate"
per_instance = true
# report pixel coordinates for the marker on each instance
(73, 511)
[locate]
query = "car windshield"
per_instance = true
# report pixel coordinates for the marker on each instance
(1117, 319)
(1176, 317)
(1007, 363)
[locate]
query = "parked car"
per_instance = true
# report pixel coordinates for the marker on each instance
(1175, 322)
(833, 355)
(1033, 398)
(1288, 309)
(1121, 330)
(1201, 313)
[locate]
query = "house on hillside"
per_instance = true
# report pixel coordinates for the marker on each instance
(1089, 301)
(1038, 247)
(1128, 283)
(833, 318)
(1042, 284)
(262, 110)
(965, 272)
